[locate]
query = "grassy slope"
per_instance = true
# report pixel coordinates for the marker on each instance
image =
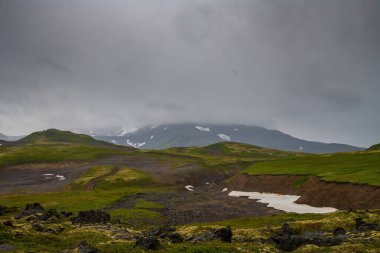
(251, 231)
(55, 146)
(337, 167)
(231, 152)
(108, 190)
(356, 167)
(374, 147)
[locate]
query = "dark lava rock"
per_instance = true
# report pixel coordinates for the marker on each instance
(8, 223)
(66, 214)
(174, 237)
(225, 234)
(160, 231)
(38, 227)
(90, 217)
(7, 210)
(147, 242)
(287, 240)
(53, 213)
(363, 226)
(339, 231)
(34, 206)
(31, 209)
(84, 247)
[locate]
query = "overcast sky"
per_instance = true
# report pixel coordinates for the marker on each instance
(308, 68)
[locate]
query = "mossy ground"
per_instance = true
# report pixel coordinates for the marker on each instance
(53, 152)
(250, 235)
(357, 167)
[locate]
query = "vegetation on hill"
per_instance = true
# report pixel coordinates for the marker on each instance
(58, 136)
(234, 149)
(356, 167)
(231, 152)
(374, 147)
(113, 184)
(55, 146)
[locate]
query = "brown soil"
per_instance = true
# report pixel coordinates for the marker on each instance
(29, 178)
(91, 185)
(314, 191)
(206, 204)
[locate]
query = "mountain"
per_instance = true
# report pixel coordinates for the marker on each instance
(54, 135)
(374, 147)
(187, 135)
(64, 139)
(3, 137)
(54, 146)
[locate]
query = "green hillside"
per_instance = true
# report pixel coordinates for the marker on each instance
(54, 145)
(230, 152)
(356, 167)
(374, 147)
(54, 135)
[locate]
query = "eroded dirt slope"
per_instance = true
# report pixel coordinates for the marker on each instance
(312, 190)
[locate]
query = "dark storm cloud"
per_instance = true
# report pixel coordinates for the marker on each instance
(309, 68)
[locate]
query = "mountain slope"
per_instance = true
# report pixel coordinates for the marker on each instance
(53, 146)
(3, 137)
(54, 135)
(355, 167)
(374, 147)
(187, 135)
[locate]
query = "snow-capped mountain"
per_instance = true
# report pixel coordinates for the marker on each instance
(3, 137)
(185, 135)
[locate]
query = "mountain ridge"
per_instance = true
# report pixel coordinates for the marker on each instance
(193, 134)
(3, 137)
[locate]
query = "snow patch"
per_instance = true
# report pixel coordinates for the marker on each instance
(154, 126)
(52, 176)
(165, 128)
(113, 141)
(135, 145)
(151, 137)
(225, 189)
(236, 129)
(203, 129)
(189, 188)
(282, 202)
(301, 148)
(127, 130)
(224, 137)
(60, 177)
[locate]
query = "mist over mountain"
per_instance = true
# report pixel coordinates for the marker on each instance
(3, 137)
(192, 134)
(309, 68)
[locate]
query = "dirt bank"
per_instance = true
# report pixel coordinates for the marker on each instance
(313, 191)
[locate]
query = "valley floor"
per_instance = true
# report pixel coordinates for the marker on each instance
(125, 200)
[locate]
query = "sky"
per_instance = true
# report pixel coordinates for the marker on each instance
(308, 68)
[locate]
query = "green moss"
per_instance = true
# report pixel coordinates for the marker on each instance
(356, 167)
(137, 217)
(52, 152)
(300, 182)
(89, 175)
(142, 203)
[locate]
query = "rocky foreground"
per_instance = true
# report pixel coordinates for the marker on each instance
(94, 231)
